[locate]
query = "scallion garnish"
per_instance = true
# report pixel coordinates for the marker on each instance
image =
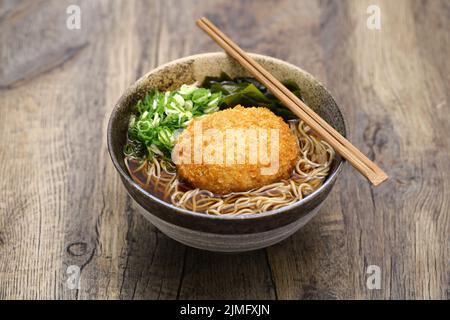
(160, 116)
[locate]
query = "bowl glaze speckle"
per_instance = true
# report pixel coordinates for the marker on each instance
(210, 232)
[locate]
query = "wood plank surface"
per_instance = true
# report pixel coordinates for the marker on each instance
(62, 203)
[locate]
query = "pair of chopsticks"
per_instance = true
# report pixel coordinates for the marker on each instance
(348, 151)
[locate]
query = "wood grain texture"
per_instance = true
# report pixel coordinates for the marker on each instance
(62, 204)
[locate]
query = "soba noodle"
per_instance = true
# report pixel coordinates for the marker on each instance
(159, 177)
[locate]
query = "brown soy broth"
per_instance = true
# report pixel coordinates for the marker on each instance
(157, 187)
(138, 172)
(140, 176)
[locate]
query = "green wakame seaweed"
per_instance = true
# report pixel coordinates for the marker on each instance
(250, 92)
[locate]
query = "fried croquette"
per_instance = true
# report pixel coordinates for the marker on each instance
(236, 150)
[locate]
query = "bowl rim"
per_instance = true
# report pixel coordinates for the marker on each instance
(248, 216)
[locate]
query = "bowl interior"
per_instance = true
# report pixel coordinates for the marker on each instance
(195, 68)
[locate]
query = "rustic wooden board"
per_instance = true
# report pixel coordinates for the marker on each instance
(62, 204)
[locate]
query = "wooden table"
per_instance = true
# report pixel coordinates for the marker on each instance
(62, 203)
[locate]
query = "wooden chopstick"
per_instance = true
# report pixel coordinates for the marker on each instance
(364, 165)
(292, 96)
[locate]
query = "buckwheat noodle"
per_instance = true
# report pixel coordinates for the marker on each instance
(158, 176)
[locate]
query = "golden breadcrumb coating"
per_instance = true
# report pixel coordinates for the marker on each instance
(223, 178)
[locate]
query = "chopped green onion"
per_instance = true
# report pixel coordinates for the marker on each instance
(160, 116)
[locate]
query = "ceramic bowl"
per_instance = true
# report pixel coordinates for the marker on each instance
(211, 232)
